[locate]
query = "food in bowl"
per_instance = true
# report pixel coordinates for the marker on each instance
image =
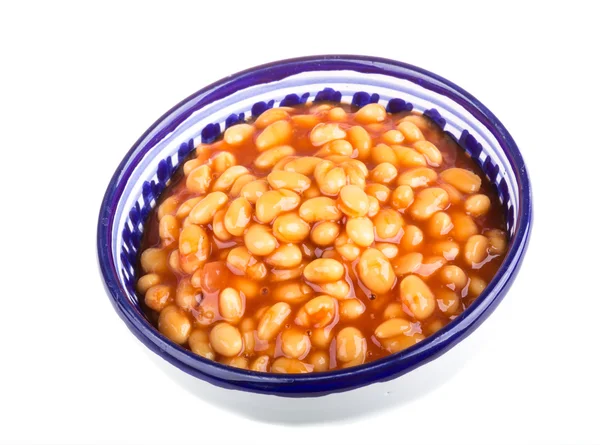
(319, 237)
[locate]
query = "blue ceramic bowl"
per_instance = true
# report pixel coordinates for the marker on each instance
(147, 167)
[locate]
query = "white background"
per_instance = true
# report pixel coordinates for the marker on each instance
(80, 82)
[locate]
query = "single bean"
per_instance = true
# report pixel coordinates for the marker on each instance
(361, 141)
(274, 202)
(323, 271)
(421, 122)
(329, 178)
(222, 161)
(305, 120)
(199, 343)
(497, 241)
(304, 166)
(186, 295)
(321, 337)
(456, 197)
(270, 116)
(239, 183)
(339, 147)
(384, 173)
(260, 364)
(417, 297)
(389, 250)
(453, 276)
(439, 225)
(397, 344)
(431, 327)
(285, 256)
(393, 310)
(393, 328)
(464, 180)
(319, 360)
(318, 312)
(238, 134)
(427, 202)
(273, 320)
(292, 292)
(199, 179)
(174, 324)
(277, 133)
(295, 343)
(337, 114)
(159, 296)
(346, 248)
(476, 250)
(408, 263)
(278, 275)
(154, 260)
(259, 240)
(194, 240)
(360, 231)
(290, 228)
(383, 153)
(417, 177)
(323, 133)
(408, 157)
(226, 339)
(464, 226)
(430, 265)
(257, 272)
(353, 201)
(392, 137)
(238, 216)
(288, 180)
(268, 158)
(351, 309)
(239, 259)
(431, 152)
(388, 223)
(228, 177)
(476, 286)
(373, 207)
(146, 282)
(185, 208)
(375, 271)
(324, 233)
(168, 230)
(284, 365)
(411, 132)
(412, 238)
(231, 304)
(168, 207)
(337, 289)
(204, 210)
(402, 197)
(379, 192)
(477, 205)
(235, 362)
(350, 344)
(319, 209)
(448, 249)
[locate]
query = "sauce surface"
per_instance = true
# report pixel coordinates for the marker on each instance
(222, 301)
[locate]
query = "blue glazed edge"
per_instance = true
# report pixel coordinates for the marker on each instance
(335, 381)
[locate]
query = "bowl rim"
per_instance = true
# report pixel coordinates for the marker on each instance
(321, 383)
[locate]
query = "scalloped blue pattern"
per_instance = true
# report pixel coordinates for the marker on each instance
(151, 190)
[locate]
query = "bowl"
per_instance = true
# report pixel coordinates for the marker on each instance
(145, 171)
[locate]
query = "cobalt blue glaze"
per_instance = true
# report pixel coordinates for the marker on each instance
(121, 289)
